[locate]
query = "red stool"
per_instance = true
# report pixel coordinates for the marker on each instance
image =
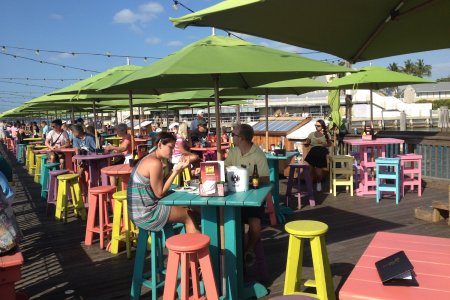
(98, 200)
(309, 186)
(10, 273)
(191, 249)
(10, 144)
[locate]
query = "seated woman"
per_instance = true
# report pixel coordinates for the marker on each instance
(148, 184)
(124, 146)
(320, 140)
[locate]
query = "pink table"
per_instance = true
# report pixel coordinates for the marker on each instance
(369, 150)
(68, 154)
(430, 257)
(122, 171)
(204, 150)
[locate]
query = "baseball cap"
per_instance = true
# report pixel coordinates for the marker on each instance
(200, 112)
(80, 120)
(171, 126)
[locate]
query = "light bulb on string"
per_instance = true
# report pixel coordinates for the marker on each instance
(3, 48)
(145, 59)
(175, 5)
(37, 52)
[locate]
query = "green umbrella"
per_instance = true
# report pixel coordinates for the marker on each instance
(353, 29)
(222, 62)
(376, 78)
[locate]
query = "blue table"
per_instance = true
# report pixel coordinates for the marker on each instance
(275, 180)
(210, 218)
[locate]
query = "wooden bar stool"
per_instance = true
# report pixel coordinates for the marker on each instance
(309, 186)
(388, 177)
(314, 231)
(20, 153)
(46, 168)
(125, 233)
(53, 188)
(98, 198)
(10, 145)
(341, 172)
(189, 250)
(411, 175)
(66, 183)
(38, 167)
(30, 162)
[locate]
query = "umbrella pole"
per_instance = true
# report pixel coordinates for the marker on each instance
(72, 114)
(140, 121)
(116, 122)
(216, 102)
(167, 115)
(209, 117)
(267, 118)
(371, 108)
(238, 114)
(95, 124)
(130, 99)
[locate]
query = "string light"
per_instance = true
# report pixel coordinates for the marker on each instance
(27, 84)
(74, 53)
(40, 79)
(49, 63)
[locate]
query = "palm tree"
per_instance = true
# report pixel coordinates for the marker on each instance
(409, 67)
(421, 69)
(394, 67)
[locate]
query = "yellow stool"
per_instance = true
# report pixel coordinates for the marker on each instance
(315, 232)
(342, 175)
(37, 168)
(71, 181)
(128, 232)
(186, 177)
(29, 163)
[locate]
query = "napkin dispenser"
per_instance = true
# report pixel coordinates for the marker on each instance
(237, 178)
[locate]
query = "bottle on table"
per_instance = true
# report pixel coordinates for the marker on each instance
(255, 177)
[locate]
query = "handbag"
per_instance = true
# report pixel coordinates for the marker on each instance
(10, 233)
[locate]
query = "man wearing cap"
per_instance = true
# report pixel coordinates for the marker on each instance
(200, 118)
(199, 133)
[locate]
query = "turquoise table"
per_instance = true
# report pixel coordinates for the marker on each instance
(275, 180)
(231, 203)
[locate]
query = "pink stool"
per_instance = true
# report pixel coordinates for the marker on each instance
(98, 200)
(52, 187)
(411, 166)
(191, 249)
(10, 144)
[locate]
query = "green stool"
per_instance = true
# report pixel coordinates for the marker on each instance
(44, 178)
(38, 167)
(20, 152)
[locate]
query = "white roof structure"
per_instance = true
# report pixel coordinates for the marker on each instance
(143, 124)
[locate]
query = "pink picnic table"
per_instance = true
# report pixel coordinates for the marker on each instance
(122, 171)
(369, 151)
(430, 257)
(68, 154)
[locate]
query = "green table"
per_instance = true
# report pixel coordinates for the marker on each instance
(231, 203)
(275, 180)
(114, 139)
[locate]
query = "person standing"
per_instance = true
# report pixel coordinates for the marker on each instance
(45, 129)
(247, 154)
(196, 121)
(319, 141)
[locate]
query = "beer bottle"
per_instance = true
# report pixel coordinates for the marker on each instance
(255, 177)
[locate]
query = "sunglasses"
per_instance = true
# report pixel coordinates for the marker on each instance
(318, 126)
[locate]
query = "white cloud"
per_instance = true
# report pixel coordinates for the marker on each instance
(61, 56)
(56, 17)
(152, 40)
(137, 19)
(175, 43)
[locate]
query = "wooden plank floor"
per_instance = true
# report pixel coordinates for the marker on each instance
(59, 266)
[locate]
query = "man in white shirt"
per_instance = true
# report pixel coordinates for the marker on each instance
(56, 139)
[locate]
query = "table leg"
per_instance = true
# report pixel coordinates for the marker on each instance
(236, 288)
(210, 228)
(280, 212)
(68, 160)
(309, 185)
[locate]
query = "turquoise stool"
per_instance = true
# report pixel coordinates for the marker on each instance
(155, 278)
(43, 162)
(46, 168)
(388, 169)
(20, 153)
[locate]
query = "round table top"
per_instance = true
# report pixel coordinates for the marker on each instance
(140, 139)
(96, 156)
(33, 139)
(111, 138)
(122, 169)
(223, 147)
(63, 150)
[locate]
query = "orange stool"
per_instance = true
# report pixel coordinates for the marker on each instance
(191, 249)
(10, 273)
(10, 145)
(98, 200)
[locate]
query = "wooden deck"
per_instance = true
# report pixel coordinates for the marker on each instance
(59, 266)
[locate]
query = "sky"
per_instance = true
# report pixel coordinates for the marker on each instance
(128, 27)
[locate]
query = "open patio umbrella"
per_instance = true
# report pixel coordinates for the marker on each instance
(374, 78)
(221, 62)
(351, 29)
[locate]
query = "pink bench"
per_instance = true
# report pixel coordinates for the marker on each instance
(430, 257)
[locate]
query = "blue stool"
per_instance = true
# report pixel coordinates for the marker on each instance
(43, 162)
(155, 278)
(46, 168)
(388, 169)
(20, 153)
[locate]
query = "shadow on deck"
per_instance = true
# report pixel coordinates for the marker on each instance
(59, 266)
